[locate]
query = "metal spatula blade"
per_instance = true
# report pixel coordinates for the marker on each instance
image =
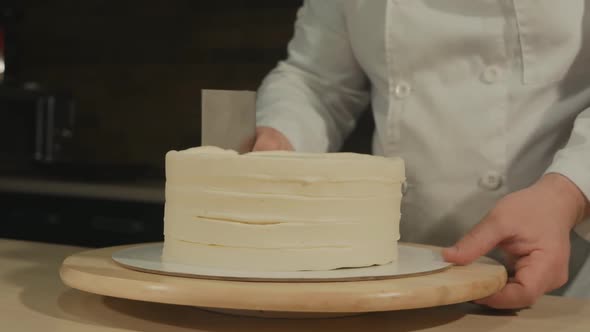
(228, 119)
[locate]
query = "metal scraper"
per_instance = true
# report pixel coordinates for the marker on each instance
(228, 119)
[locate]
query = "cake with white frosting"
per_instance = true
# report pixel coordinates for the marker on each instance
(281, 211)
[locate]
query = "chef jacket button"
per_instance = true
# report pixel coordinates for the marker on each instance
(403, 89)
(491, 181)
(491, 74)
(404, 187)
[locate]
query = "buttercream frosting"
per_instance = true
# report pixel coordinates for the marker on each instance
(281, 211)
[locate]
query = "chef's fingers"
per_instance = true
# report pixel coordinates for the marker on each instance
(529, 283)
(480, 240)
(270, 139)
(264, 143)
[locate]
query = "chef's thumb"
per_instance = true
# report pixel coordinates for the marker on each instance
(479, 241)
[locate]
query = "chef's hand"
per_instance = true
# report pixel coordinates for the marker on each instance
(270, 139)
(532, 227)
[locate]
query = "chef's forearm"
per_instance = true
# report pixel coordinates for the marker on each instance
(316, 94)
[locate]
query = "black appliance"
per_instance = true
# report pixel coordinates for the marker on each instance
(35, 128)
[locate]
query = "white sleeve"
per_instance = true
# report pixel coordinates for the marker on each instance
(573, 161)
(315, 96)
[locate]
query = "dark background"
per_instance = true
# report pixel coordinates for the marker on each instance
(135, 70)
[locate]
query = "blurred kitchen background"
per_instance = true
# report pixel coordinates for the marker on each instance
(94, 93)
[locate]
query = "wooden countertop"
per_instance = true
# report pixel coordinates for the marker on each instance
(33, 298)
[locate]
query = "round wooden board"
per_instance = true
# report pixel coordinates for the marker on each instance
(94, 271)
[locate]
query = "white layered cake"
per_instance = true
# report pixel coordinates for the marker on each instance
(281, 211)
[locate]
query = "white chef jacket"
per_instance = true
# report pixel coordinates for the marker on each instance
(479, 97)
